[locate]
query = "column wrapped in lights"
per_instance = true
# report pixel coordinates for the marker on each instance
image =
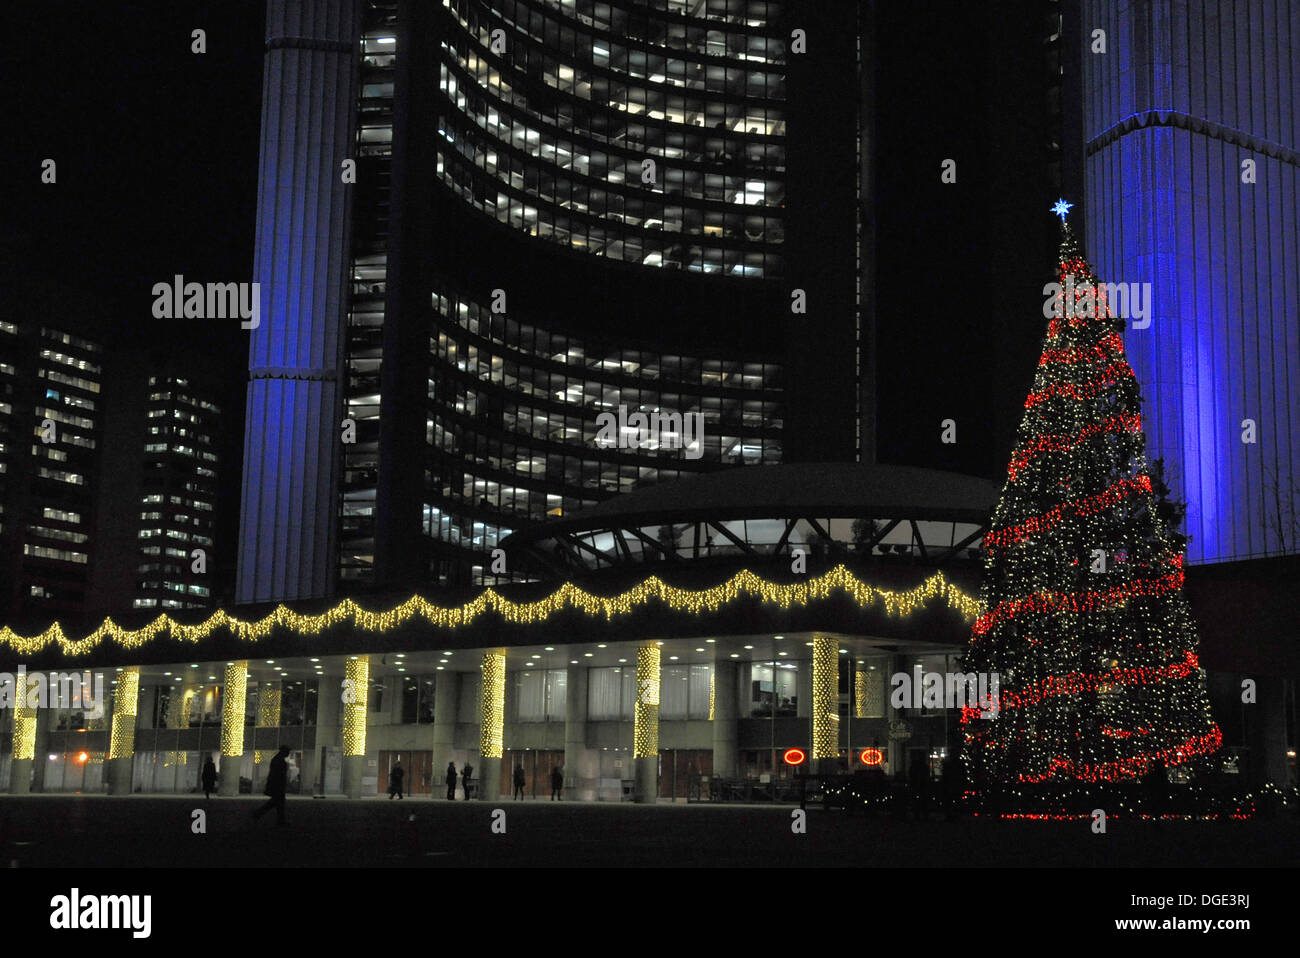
(713, 690)
(233, 706)
(268, 713)
(825, 698)
(24, 728)
(121, 742)
(868, 692)
(492, 706)
(645, 725)
(356, 672)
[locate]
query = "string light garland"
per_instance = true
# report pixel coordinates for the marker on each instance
(1112, 496)
(1083, 616)
(1087, 600)
(568, 596)
(645, 717)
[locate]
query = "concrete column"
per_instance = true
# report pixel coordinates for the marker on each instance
(578, 764)
(803, 685)
(24, 743)
(645, 726)
(328, 723)
(725, 719)
(121, 742)
(234, 700)
(492, 722)
(355, 697)
(1266, 732)
(897, 746)
(445, 704)
(825, 704)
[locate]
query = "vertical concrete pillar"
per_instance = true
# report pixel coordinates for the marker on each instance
(645, 726)
(356, 695)
(289, 517)
(24, 743)
(1266, 732)
(803, 685)
(234, 701)
(492, 722)
(825, 704)
(725, 715)
(121, 742)
(445, 706)
(578, 764)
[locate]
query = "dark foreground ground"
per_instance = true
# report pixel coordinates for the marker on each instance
(145, 831)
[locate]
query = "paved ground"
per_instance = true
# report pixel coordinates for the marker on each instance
(151, 831)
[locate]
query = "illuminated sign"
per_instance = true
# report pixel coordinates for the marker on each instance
(794, 756)
(872, 756)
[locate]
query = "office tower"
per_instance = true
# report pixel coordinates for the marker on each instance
(1190, 126)
(513, 218)
(51, 422)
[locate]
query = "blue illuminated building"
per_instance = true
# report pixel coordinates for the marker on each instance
(1191, 118)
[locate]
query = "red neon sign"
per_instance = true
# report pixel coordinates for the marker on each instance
(872, 756)
(794, 756)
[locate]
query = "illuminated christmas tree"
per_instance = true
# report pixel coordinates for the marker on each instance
(1084, 618)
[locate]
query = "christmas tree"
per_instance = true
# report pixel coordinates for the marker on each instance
(1084, 619)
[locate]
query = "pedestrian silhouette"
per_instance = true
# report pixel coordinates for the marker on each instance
(557, 784)
(465, 774)
(519, 782)
(451, 781)
(277, 779)
(209, 778)
(395, 778)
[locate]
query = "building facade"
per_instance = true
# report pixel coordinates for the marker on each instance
(51, 417)
(531, 215)
(1190, 125)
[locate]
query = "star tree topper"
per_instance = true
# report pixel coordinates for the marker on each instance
(1061, 208)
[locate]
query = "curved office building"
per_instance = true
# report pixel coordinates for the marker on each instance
(528, 219)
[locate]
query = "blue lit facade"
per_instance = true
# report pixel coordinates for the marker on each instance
(1184, 95)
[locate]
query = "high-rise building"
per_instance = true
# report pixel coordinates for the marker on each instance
(528, 215)
(1191, 130)
(160, 500)
(50, 431)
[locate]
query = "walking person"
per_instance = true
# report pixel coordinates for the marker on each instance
(451, 781)
(465, 774)
(209, 778)
(520, 780)
(277, 780)
(557, 784)
(395, 779)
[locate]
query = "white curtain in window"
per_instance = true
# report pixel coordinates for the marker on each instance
(629, 692)
(530, 690)
(604, 688)
(673, 689)
(701, 679)
(556, 694)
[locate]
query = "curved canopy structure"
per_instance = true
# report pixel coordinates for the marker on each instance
(833, 509)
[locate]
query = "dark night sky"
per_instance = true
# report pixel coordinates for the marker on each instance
(157, 174)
